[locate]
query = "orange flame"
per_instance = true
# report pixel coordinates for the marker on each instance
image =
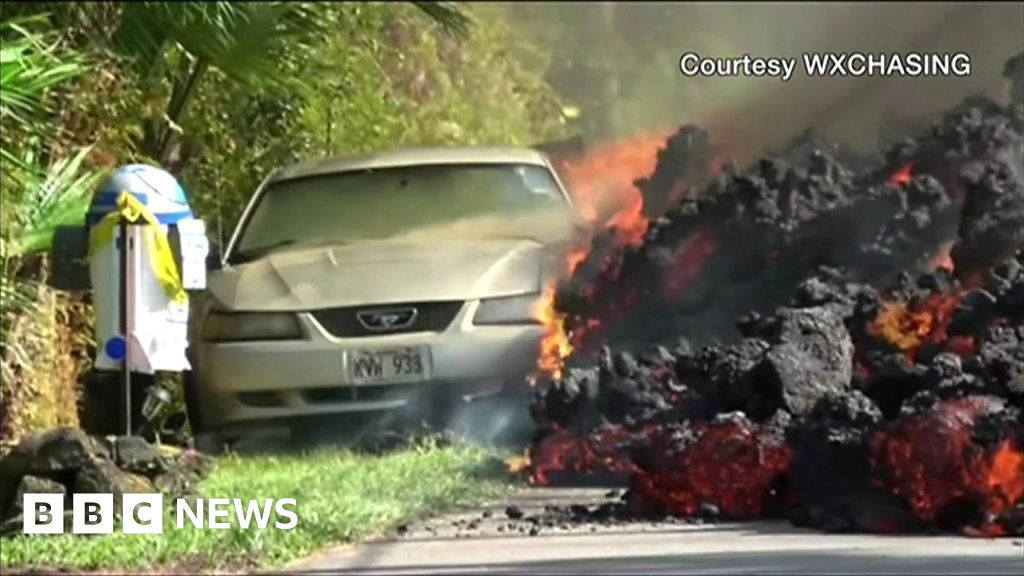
(903, 175)
(517, 464)
(1005, 480)
(602, 184)
(555, 346)
(908, 327)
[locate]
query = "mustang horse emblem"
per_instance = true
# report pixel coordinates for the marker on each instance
(380, 320)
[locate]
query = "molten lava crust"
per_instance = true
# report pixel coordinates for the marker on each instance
(825, 336)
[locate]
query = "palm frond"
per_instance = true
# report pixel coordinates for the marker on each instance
(236, 38)
(447, 16)
(58, 196)
(30, 64)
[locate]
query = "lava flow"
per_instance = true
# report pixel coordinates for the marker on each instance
(821, 335)
(602, 184)
(932, 459)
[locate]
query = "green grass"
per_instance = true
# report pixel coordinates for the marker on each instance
(341, 497)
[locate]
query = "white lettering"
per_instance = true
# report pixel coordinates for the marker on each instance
(142, 513)
(218, 508)
(281, 509)
(244, 518)
(913, 64)
(43, 514)
(182, 509)
(814, 64)
(689, 57)
(92, 514)
(961, 64)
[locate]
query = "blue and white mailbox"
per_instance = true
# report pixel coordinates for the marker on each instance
(140, 294)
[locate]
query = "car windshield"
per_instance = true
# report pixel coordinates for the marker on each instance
(382, 204)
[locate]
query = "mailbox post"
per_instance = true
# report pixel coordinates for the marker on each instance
(146, 250)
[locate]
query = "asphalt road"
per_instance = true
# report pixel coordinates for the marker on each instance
(488, 542)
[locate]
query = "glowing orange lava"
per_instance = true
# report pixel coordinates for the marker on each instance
(1005, 481)
(909, 326)
(730, 465)
(933, 462)
(903, 175)
(564, 451)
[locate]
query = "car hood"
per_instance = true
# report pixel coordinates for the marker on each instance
(381, 273)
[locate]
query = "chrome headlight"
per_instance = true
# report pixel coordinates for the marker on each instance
(508, 310)
(242, 326)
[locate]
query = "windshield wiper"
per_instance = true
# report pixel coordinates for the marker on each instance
(255, 253)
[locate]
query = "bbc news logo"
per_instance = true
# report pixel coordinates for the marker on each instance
(144, 513)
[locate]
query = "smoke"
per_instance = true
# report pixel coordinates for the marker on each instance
(619, 63)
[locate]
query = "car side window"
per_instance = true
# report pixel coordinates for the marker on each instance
(538, 181)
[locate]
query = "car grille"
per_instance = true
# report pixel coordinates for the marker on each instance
(377, 393)
(430, 317)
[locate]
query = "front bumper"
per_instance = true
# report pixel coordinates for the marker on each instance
(239, 383)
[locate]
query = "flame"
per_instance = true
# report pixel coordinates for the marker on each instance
(903, 175)
(1005, 481)
(908, 327)
(519, 463)
(555, 346)
(602, 183)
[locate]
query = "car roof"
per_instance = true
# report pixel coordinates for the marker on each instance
(413, 157)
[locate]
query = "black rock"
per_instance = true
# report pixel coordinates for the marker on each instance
(33, 485)
(812, 359)
(135, 454)
(52, 452)
(103, 476)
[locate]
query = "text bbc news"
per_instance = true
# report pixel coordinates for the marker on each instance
(144, 513)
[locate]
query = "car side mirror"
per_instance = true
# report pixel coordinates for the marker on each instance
(214, 258)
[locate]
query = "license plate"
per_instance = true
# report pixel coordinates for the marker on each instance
(388, 366)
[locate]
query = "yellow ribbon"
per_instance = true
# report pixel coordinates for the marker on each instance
(160, 255)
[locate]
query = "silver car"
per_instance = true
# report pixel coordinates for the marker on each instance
(355, 284)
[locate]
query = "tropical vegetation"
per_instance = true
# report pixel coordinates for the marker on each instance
(220, 94)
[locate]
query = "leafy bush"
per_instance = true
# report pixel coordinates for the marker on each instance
(40, 190)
